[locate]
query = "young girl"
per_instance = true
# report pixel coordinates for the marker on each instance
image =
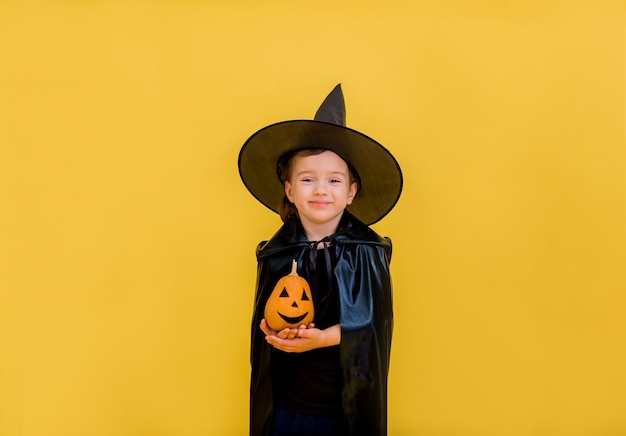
(328, 183)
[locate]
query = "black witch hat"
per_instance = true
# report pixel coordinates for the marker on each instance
(377, 169)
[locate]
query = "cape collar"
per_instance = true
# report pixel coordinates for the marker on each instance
(291, 235)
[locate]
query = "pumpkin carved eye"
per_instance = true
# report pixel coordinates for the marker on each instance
(281, 311)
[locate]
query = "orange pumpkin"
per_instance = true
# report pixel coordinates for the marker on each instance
(290, 304)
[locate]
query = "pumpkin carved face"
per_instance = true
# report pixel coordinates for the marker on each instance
(290, 304)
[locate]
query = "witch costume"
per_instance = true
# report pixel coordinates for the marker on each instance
(353, 265)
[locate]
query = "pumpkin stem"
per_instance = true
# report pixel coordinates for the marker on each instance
(294, 268)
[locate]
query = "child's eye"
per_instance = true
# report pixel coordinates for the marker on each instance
(307, 179)
(335, 181)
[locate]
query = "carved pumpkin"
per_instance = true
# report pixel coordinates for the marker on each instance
(290, 304)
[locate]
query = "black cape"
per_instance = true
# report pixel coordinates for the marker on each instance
(366, 317)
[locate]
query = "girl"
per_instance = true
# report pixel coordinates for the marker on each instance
(328, 183)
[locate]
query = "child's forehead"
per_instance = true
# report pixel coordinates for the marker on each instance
(325, 161)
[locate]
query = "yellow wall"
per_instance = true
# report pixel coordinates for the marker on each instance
(127, 240)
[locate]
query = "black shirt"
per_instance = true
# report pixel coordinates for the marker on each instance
(310, 382)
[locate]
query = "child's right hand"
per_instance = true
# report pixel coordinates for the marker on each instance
(285, 333)
(304, 338)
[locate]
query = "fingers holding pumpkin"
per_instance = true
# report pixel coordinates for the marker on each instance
(295, 333)
(305, 341)
(304, 338)
(288, 333)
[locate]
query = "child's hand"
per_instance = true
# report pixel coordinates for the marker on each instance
(304, 338)
(285, 333)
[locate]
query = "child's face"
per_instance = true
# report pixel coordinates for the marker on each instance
(320, 188)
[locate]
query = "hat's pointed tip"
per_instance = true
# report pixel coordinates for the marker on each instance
(337, 90)
(333, 108)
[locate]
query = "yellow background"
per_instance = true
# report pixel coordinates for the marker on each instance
(127, 239)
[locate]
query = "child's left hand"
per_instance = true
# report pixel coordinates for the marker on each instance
(304, 338)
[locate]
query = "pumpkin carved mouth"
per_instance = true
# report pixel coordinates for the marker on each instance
(293, 319)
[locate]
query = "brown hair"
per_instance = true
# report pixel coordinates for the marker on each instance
(286, 208)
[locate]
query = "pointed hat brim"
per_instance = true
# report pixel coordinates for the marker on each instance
(378, 170)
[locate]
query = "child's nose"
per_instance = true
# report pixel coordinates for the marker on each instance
(319, 188)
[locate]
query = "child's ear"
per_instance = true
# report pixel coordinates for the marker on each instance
(352, 192)
(288, 192)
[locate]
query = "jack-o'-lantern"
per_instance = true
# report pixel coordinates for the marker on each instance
(290, 304)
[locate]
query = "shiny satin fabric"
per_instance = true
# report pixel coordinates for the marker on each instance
(362, 278)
